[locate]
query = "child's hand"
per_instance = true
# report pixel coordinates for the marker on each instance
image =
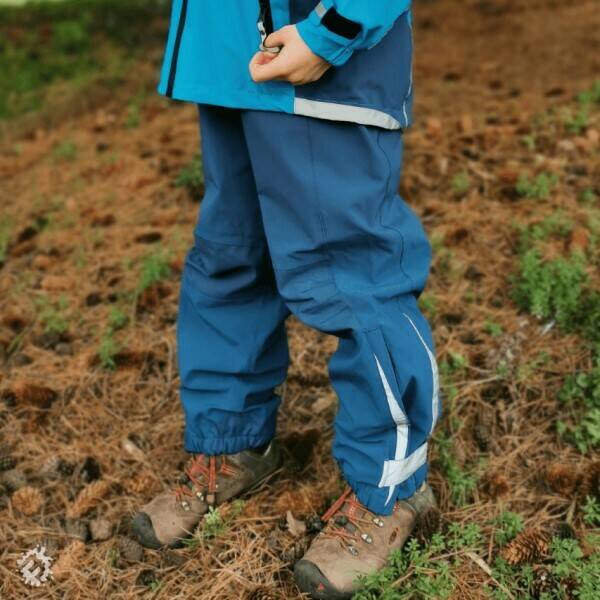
(295, 62)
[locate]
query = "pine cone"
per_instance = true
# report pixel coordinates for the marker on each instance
(262, 592)
(28, 500)
(69, 559)
(130, 550)
(529, 546)
(7, 462)
(34, 395)
(543, 580)
(562, 478)
(88, 498)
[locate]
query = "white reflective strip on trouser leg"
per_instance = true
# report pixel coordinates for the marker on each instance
(398, 471)
(320, 10)
(334, 111)
(435, 400)
(401, 421)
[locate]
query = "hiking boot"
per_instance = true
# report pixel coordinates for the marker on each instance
(207, 481)
(356, 542)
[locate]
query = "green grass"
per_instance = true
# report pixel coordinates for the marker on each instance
(192, 176)
(108, 350)
(509, 525)
(6, 226)
(52, 314)
(154, 269)
(538, 188)
(43, 44)
(460, 184)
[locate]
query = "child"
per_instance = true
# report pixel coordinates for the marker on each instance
(302, 149)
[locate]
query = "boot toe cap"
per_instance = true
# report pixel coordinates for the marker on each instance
(311, 580)
(144, 531)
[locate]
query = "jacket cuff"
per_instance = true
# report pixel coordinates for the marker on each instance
(335, 49)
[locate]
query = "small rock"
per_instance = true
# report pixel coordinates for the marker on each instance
(100, 529)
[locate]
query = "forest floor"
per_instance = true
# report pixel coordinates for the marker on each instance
(100, 187)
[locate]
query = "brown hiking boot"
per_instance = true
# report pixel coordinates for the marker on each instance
(356, 542)
(208, 481)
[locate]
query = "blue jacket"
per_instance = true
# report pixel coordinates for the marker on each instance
(368, 42)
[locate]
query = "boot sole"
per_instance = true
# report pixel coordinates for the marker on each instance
(310, 580)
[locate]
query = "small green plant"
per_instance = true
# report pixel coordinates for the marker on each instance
(155, 268)
(52, 314)
(494, 329)
(112, 557)
(66, 151)
(509, 525)
(117, 319)
(551, 289)
(428, 304)
(539, 188)
(460, 184)
(107, 351)
(529, 142)
(577, 122)
(591, 96)
(453, 364)
(133, 116)
(5, 232)
(462, 482)
(591, 512)
(215, 524)
(556, 225)
(587, 197)
(192, 176)
(420, 572)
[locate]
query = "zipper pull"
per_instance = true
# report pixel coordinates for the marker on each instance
(263, 36)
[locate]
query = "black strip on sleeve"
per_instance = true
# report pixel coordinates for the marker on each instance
(340, 25)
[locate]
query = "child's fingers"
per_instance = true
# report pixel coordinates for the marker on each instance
(262, 70)
(277, 38)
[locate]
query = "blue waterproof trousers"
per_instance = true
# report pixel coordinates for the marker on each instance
(302, 215)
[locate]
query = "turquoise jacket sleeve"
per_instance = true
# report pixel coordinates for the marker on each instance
(335, 28)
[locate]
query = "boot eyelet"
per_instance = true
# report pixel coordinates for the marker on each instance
(200, 496)
(185, 505)
(367, 538)
(378, 521)
(353, 550)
